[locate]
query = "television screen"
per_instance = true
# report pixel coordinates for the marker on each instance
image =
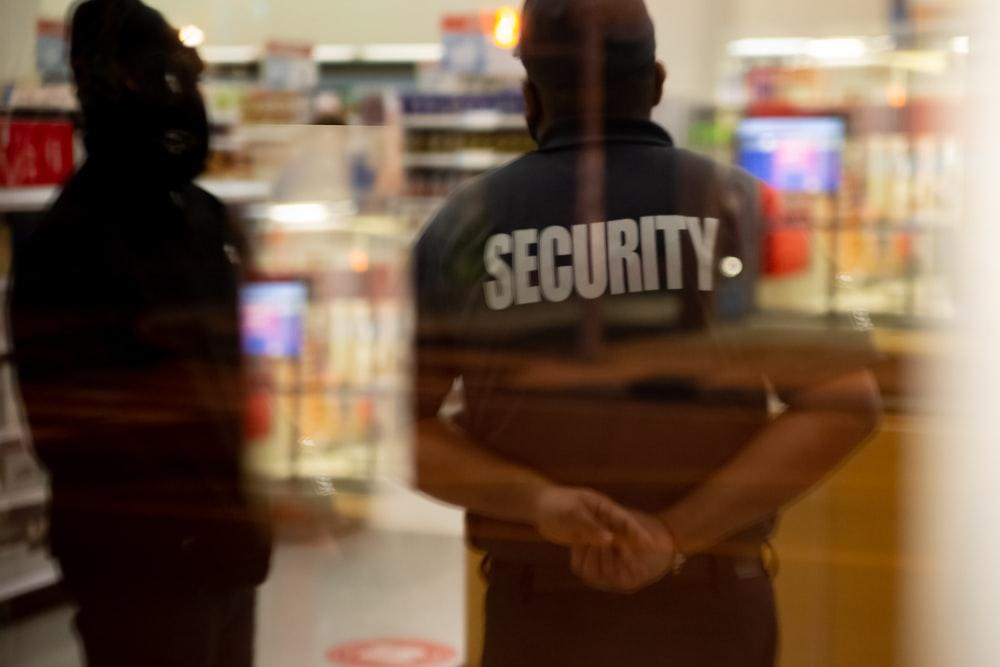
(794, 154)
(273, 318)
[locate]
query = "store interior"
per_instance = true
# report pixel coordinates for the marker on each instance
(340, 127)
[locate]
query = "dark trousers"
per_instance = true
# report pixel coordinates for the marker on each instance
(717, 613)
(158, 627)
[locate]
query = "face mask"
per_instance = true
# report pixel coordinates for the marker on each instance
(183, 136)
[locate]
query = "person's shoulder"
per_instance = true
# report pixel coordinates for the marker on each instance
(471, 197)
(64, 239)
(737, 188)
(462, 206)
(198, 195)
(510, 174)
(71, 211)
(81, 191)
(719, 171)
(209, 214)
(462, 221)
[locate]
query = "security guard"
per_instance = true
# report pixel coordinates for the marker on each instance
(125, 314)
(587, 313)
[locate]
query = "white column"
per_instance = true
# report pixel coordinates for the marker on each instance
(954, 597)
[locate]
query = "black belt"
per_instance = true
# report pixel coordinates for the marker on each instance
(698, 569)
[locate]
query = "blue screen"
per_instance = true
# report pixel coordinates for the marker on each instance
(273, 318)
(794, 154)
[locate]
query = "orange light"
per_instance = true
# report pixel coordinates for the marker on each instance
(507, 28)
(897, 94)
(359, 261)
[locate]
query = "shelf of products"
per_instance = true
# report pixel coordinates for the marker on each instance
(326, 333)
(470, 121)
(24, 564)
(20, 498)
(26, 199)
(37, 198)
(452, 137)
(463, 160)
(26, 573)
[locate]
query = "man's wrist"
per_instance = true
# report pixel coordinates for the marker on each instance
(535, 502)
(679, 552)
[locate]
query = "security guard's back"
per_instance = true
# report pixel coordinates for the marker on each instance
(597, 338)
(596, 300)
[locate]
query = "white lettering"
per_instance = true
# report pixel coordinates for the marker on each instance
(704, 240)
(617, 257)
(672, 226)
(499, 292)
(590, 260)
(650, 255)
(557, 282)
(524, 265)
(623, 248)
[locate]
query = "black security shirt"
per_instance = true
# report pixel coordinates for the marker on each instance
(127, 344)
(596, 298)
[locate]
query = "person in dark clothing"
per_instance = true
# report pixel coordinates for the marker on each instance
(596, 385)
(125, 318)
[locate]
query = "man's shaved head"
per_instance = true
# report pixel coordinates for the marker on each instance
(559, 35)
(589, 57)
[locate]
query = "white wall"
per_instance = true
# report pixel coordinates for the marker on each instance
(366, 21)
(688, 29)
(317, 21)
(17, 38)
(795, 18)
(691, 32)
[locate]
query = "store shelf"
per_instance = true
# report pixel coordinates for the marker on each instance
(26, 574)
(239, 192)
(21, 498)
(26, 200)
(32, 199)
(459, 160)
(472, 121)
(10, 435)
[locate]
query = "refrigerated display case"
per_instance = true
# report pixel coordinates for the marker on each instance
(326, 310)
(878, 231)
(326, 324)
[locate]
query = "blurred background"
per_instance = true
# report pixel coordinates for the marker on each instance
(339, 128)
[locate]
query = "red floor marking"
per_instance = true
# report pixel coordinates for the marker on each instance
(391, 653)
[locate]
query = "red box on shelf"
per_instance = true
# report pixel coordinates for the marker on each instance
(35, 153)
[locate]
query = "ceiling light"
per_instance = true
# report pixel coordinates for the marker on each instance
(191, 36)
(847, 48)
(834, 49)
(299, 214)
(402, 53)
(767, 48)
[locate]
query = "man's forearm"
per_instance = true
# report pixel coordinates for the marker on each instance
(793, 454)
(452, 468)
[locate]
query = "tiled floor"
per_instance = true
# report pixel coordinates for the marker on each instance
(374, 584)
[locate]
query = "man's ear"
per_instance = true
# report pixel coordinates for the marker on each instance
(533, 111)
(661, 80)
